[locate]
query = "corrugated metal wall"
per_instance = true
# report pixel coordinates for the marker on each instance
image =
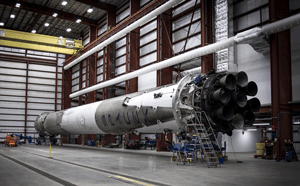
(30, 83)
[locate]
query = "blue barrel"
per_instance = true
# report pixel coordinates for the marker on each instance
(221, 160)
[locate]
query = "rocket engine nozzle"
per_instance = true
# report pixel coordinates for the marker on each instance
(222, 95)
(249, 118)
(253, 104)
(240, 98)
(250, 89)
(237, 121)
(225, 112)
(241, 79)
(228, 81)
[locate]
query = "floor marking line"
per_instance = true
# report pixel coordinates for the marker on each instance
(47, 175)
(128, 180)
(100, 170)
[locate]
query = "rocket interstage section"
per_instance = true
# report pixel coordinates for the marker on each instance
(222, 96)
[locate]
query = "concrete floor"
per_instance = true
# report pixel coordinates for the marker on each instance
(76, 165)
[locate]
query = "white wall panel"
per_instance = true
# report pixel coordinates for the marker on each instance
(41, 74)
(41, 94)
(148, 59)
(121, 60)
(60, 61)
(122, 15)
(58, 95)
(193, 41)
(100, 62)
(12, 85)
(35, 112)
(11, 98)
(102, 29)
(42, 81)
(86, 41)
(148, 37)
(120, 70)
(148, 48)
(148, 27)
(41, 87)
(121, 42)
(9, 111)
(13, 117)
(99, 70)
(186, 19)
(12, 92)
(75, 81)
(42, 67)
(40, 106)
(6, 104)
(41, 100)
(185, 6)
(178, 47)
(100, 78)
(147, 81)
(12, 71)
(12, 78)
(14, 123)
(121, 51)
(13, 64)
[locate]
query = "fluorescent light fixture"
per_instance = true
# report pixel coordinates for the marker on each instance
(78, 20)
(296, 122)
(251, 130)
(12, 16)
(64, 3)
(54, 15)
(46, 24)
(89, 10)
(1, 24)
(69, 30)
(33, 31)
(18, 5)
(262, 124)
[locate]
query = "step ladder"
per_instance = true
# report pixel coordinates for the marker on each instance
(205, 143)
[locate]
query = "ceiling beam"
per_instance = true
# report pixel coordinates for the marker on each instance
(98, 4)
(49, 11)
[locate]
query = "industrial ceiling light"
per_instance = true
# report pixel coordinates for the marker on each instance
(262, 124)
(12, 16)
(54, 15)
(18, 5)
(1, 24)
(69, 30)
(64, 3)
(78, 20)
(46, 24)
(89, 10)
(33, 31)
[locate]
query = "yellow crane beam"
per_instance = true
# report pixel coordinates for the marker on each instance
(25, 40)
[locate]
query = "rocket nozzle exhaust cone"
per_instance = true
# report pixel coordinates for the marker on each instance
(241, 78)
(251, 88)
(253, 104)
(237, 121)
(222, 94)
(225, 112)
(228, 81)
(249, 118)
(240, 98)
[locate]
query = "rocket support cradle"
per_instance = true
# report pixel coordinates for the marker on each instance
(223, 96)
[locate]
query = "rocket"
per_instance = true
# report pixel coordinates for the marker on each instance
(222, 96)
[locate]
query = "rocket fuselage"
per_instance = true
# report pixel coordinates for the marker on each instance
(169, 108)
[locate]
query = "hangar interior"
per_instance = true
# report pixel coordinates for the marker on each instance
(51, 49)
